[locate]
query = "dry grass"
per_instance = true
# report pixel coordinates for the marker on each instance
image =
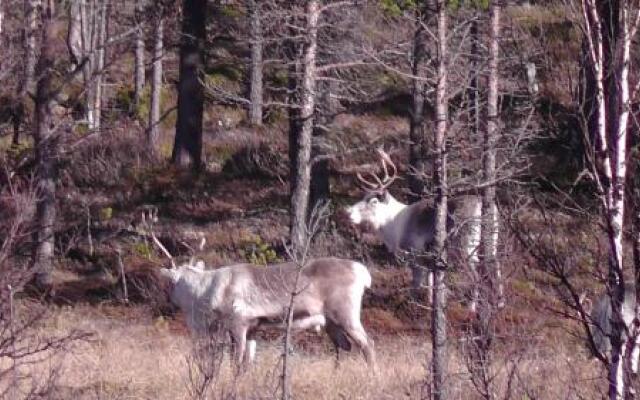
(134, 357)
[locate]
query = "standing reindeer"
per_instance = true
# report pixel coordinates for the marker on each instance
(244, 297)
(410, 229)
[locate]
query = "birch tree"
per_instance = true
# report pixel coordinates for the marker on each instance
(490, 275)
(100, 29)
(608, 31)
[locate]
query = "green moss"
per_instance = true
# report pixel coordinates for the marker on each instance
(231, 11)
(125, 101)
(106, 213)
(225, 79)
(256, 251)
(221, 154)
(143, 249)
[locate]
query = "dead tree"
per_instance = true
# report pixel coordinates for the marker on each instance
(302, 141)
(46, 147)
(325, 112)
(153, 132)
(187, 148)
(417, 138)
(255, 85)
(139, 75)
(101, 25)
(27, 84)
(439, 253)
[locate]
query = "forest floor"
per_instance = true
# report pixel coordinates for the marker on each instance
(139, 348)
(131, 355)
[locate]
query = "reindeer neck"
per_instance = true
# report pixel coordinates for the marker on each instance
(394, 208)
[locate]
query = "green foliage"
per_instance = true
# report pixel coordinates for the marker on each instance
(231, 11)
(256, 251)
(455, 5)
(125, 101)
(226, 79)
(106, 213)
(81, 128)
(221, 154)
(143, 249)
(396, 7)
(17, 151)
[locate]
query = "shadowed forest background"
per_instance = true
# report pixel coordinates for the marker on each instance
(219, 128)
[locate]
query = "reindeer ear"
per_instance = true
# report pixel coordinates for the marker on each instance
(171, 274)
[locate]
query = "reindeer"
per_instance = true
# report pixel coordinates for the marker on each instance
(244, 297)
(411, 228)
(602, 326)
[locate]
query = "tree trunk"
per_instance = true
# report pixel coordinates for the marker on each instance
(156, 85)
(101, 19)
(417, 142)
(87, 14)
(255, 89)
(438, 319)
(74, 33)
(326, 110)
(300, 193)
(490, 274)
(1, 17)
(30, 28)
(187, 148)
(139, 54)
(28, 79)
(608, 38)
(293, 100)
(46, 152)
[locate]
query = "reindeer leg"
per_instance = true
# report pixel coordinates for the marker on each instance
(357, 333)
(339, 340)
(239, 338)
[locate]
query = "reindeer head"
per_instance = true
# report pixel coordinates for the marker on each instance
(377, 206)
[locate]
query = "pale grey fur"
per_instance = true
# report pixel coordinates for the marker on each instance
(601, 317)
(244, 296)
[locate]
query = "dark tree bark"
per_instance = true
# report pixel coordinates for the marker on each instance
(156, 83)
(187, 148)
(417, 146)
(30, 30)
(255, 85)
(300, 192)
(46, 151)
(325, 112)
(28, 79)
(139, 54)
(438, 318)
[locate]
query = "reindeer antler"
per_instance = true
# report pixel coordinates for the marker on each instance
(148, 218)
(380, 184)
